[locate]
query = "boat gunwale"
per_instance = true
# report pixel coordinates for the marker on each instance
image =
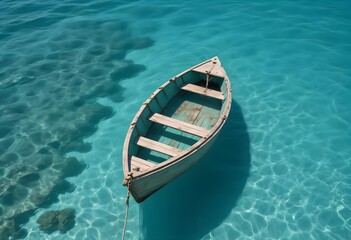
(173, 160)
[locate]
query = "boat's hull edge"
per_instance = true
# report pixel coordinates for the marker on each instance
(143, 187)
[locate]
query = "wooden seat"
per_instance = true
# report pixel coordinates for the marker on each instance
(139, 164)
(158, 147)
(180, 125)
(203, 91)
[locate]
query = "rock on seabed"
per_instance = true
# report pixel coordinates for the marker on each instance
(60, 220)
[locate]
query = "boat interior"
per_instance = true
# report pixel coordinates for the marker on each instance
(181, 112)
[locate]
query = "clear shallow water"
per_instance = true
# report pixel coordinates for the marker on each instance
(73, 75)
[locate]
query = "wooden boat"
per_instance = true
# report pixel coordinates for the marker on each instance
(175, 127)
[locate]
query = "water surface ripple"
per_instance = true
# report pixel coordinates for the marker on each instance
(73, 74)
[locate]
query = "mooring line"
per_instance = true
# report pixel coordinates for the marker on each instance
(127, 182)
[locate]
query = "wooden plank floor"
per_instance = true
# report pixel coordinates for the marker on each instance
(188, 107)
(195, 108)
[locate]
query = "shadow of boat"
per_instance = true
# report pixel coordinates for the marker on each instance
(199, 200)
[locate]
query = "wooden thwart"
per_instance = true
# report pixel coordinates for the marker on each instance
(158, 147)
(180, 125)
(141, 163)
(203, 91)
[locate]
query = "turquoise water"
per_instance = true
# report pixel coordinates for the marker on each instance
(73, 75)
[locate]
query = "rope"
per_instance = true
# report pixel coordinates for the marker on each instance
(207, 79)
(128, 182)
(208, 74)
